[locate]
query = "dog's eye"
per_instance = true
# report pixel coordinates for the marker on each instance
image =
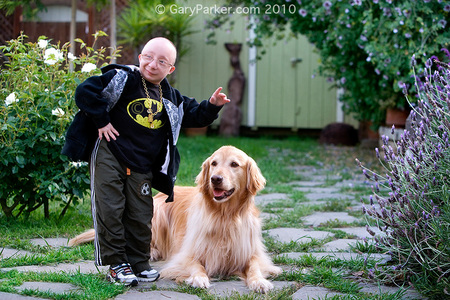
(234, 164)
(214, 163)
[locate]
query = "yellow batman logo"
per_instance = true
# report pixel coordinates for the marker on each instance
(144, 111)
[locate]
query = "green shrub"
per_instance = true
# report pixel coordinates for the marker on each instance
(414, 216)
(37, 89)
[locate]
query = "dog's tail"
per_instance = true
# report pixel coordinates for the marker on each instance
(85, 237)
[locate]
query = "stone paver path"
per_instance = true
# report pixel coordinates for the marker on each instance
(316, 192)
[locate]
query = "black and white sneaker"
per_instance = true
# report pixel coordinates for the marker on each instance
(147, 275)
(122, 273)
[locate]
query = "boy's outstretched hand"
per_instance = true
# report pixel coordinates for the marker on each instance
(218, 98)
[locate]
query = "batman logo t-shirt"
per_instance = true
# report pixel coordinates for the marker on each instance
(142, 124)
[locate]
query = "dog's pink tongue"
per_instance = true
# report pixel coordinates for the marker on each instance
(218, 192)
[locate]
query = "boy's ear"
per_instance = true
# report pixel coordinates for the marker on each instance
(172, 68)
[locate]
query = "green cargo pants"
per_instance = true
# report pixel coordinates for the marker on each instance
(122, 210)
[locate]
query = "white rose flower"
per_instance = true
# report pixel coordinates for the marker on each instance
(58, 112)
(88, 67)
(70, 56)
(11, 99)
(52, 56)
(43, 44)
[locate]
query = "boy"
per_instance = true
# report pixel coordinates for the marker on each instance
(138, 116)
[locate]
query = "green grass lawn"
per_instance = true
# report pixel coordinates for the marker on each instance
(275, 157)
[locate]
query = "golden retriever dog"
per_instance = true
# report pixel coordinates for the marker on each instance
(212, 229)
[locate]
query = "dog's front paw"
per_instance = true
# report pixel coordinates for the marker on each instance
(260, 285)
(274, 271)
(200, 281)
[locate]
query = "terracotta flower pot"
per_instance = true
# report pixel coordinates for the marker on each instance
(396, 117)
(195, 131)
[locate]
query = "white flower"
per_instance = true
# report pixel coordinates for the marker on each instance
(58, 112)
(77, 164)
(43, 44)
(11, 99)
(52, 56)
(88, 67)
(70, 56)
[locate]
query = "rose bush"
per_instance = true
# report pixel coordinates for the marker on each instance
(38, 82)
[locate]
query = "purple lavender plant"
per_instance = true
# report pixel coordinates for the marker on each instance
(413, 212)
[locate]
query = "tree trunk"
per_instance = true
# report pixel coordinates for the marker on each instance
(73, 29)
(113, 29)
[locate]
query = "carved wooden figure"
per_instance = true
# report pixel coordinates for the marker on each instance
(230, 121)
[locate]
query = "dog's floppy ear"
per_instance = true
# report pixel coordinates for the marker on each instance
(255, 179)
(202, 179)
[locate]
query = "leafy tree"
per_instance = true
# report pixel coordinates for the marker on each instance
(30, 7)
(366, 45)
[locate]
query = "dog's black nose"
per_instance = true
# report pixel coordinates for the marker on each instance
(216, 179)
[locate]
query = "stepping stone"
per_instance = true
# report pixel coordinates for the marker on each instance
(351, 184)
(286, 235)
(219, 288)
(82, 267)
(155, 295)
(52, 242)
(318, 190)
(313, 202)
(338, 245)
(359, 207)
(380, 258)
(322, 217)
(7, 253)
(161, 283)
(307, 170)
(314, 174)
(270, 198)
(53, 287)
(10, 296)
(267, 216)
(361, 232)
(324, 178)
(305, 183)
(324, 196)
(309, 292)
(382, 289)
(324, 193)
(227, 288)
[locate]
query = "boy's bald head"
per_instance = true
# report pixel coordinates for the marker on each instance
(164, 46)
(157, 59)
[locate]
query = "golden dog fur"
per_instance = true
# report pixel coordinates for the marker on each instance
(212, 229)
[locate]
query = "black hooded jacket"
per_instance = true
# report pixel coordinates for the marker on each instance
(97, 95)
